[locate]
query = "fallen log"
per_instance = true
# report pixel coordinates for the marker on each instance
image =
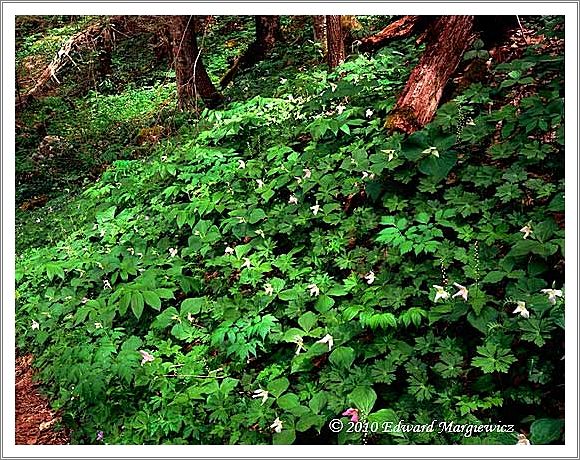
(400, 28)
(447, 40)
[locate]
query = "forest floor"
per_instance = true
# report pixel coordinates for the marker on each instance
(36, 423)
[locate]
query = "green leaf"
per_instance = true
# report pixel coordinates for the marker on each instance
(278, 386)
(192, 306)
(285, 437)
(493, 277)
(342, 357)
(137, 304)
(438, 167)
(164, 293)
(546, 430)
(323, 303)
(363, 398)
(256, 215)
(307, 321)
(288, 401)
(152, 299)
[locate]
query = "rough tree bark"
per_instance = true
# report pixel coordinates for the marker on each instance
(336, 52)
(447, 40)
(400, 28)
(267, 31)
(193, 82)
(319, 25)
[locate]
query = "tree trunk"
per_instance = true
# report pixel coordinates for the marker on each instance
(400, 28)
(267, 31)
(448, 39)
(193, 82)
(320, 33)
(336, 53)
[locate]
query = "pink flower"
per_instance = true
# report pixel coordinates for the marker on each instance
(352, 413)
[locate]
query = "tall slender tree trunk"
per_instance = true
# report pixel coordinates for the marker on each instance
(447, 40)
(267, 32)
(336, 54)
(319, 25)
(193, 82)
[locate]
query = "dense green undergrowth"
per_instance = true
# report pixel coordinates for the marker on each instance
(284, 259)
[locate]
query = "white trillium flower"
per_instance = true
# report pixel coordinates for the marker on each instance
(259, 393)
(292, 200)
(277, 425)
(241, 220)
(300, 344)
(526, 230)
(190, 317)
(261, 233)
(147, 357)
(369, 113)
(307, 173)
(247, 263)
(327, 339)
(229, 251)
(283, 81)
(107, 285)
(315, 208)
(463, 291)
(522, 440)
(98, 326)
(552, 294)
(314, 291)
(522, 310)
(35, 325)
(241, 164)
(340, 108)
(172, 252)
(269, 289)
(441, 293)
(370, 277)
(260, 183)
(365, 174)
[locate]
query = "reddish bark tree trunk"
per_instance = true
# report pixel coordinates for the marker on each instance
(193, 82)
(336, 52)
(448, 38)
(319, 23)
(267, 31)
(400, 28)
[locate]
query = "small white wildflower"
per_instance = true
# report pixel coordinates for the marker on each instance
(315, 208)
(261, 394)
(522, 440)
(146, 217)
(313, 288)
(277, 425)
(463, 291)
(298, 180)
(526, 230)
(247, 263)
(365, 175)
(147, 357)
(431, 151)
(552, 294)
(269, 289)
(241, 164)
(241, 220)
(98, 326)
(522, 310)
(172, 252)
(370, 277)
(229, 251)
(107, 284)
(340, 108)
(307, 173)
(35, 325)
(190, 317)
(441, 293)
(327, 339)
(38, 220)
(283, 81)
(299, 344)
(131, 251)
(369, 113)
(164, 158)
(84, 300)
(260, 183)
(261, 233)
(292, 200)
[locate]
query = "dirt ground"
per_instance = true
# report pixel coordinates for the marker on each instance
(36, 423)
